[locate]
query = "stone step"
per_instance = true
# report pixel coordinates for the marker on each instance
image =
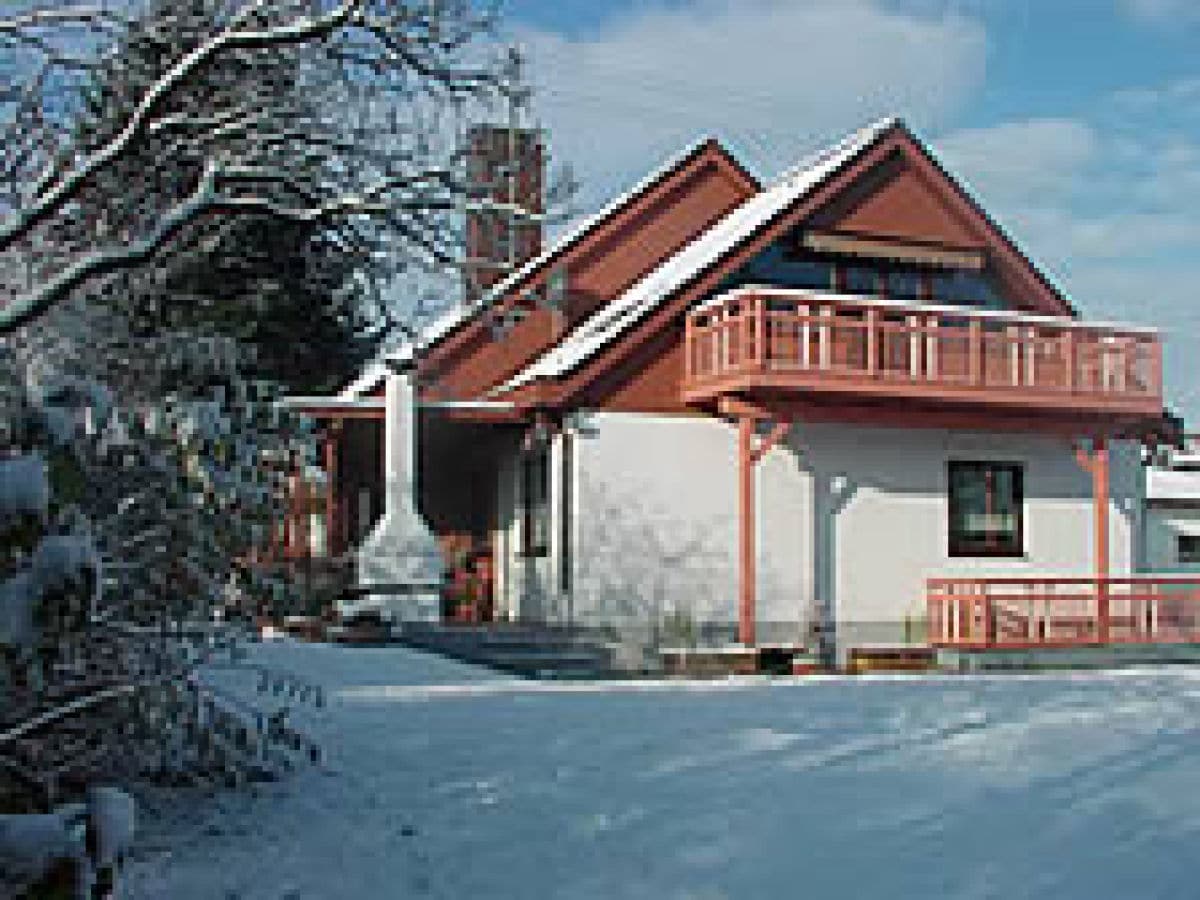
(524, 650)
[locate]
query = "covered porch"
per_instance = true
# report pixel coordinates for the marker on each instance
(433, 465)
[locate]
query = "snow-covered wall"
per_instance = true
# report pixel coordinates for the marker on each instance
(850, 516)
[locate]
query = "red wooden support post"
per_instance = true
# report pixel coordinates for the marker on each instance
(1100, 496)
(747, 572)
(332, 526)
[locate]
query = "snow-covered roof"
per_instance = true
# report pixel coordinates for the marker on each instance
(376, 370)
(697, 256)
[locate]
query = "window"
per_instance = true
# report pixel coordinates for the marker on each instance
(862, 280)
(986, 509)
(958, 288)
(1187, 548)
(808, 273)
(904, 284)
(535, 500)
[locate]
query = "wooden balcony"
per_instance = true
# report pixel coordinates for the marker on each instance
(1027, 613)
(786, 341)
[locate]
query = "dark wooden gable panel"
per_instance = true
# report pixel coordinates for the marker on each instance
(600, 267)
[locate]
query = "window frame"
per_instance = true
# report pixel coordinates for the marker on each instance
(957, 544)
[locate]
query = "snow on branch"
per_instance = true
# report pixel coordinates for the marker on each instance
(180, 146)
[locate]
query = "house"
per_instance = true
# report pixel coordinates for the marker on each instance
(1172, 517)
(839, 408)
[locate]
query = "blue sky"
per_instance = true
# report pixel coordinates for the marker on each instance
(1077, 122)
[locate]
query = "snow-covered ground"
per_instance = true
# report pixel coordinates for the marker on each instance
(448, 781)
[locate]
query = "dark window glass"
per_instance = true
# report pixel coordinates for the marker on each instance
(810, 273)
(535, 500)
(986, 509)
(904, 284)
(965, 289)
(861, 280)
(1188, 548)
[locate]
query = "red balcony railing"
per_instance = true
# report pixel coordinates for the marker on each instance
(985, 613)
(777, 338)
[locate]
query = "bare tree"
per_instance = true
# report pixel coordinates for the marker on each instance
(342, 117)
(366, 148)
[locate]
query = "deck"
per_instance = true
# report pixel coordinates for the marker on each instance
(1028, 613)
(784, 340)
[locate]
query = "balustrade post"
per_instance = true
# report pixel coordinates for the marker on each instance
(689, 368)
(1068, 354)
(1014, 354)
(975, 352)
(760, 320)
(823, 337)
(872, 341)
(914, 346)
(805, 337)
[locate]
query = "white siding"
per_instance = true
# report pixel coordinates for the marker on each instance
(850, 516)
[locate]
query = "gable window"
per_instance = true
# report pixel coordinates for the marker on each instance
(535, 500)
(905, 284)
(862, 280)
(961, 288)
(986, 502)
(1187, 548)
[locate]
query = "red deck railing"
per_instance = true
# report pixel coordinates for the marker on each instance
(786, 338)
(984, 613)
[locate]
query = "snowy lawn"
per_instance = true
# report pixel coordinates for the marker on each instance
(449, 781)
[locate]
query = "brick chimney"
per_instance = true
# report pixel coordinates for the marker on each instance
(505, 166)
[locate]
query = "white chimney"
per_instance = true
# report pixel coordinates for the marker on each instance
(401, 557)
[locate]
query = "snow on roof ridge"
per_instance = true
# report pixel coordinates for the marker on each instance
(740, 223)
(866, 133)
(453, 317)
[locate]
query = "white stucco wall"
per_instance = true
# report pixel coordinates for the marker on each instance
(852, 516)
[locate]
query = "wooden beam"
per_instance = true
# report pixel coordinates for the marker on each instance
(1095, 461)
(886, 247)
(778, 433)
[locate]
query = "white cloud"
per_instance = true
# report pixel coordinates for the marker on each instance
(1111, 206)
(775, 78)
(1028, 159)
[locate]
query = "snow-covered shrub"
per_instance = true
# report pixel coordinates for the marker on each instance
(24, 488)
(113, 820)
(18, 597)
(30, 844)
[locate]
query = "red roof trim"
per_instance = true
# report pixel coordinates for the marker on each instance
(709, 150)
